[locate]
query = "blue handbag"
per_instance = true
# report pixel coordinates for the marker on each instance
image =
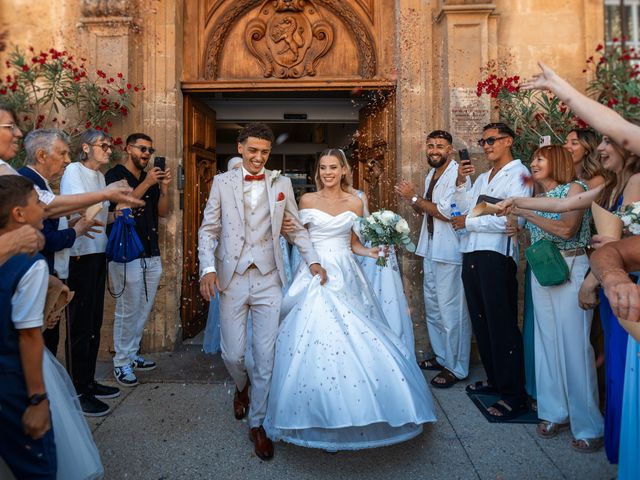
(124, 244)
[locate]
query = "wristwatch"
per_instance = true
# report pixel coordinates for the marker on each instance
(414, 200)
(37, 398)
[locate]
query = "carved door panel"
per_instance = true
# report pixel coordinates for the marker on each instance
(199, 170)
(374, 152)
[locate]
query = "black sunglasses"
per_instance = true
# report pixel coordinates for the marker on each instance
(490, 141)
(144, 149)
(104, 146)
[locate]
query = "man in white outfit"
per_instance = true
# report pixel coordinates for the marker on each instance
(240, 256)
(445, 304)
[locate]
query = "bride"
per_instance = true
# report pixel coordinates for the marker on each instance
(342, 380)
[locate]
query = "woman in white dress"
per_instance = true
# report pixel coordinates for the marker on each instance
(342, 379)
(385, 282)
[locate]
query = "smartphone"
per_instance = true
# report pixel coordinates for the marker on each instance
(160, 162)
(464, 156)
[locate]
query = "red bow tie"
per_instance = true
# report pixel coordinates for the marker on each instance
(250, 178)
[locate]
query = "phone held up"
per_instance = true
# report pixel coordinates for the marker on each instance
(160, 162)
(464, 157)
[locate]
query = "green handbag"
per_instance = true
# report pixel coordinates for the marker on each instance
(547, 264)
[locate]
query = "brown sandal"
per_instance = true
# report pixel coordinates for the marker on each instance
(550, 429)
(430, 364)
(449, 379)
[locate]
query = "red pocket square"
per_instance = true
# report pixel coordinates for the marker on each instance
(280, 197)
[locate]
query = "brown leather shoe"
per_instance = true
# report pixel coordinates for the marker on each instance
(263, 445)
(241, 402)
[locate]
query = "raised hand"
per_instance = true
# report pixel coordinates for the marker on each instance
(506, 206)
(86, 227)
(541, 81)
(155, 175)
(120, 192)
(465, 169)
(405, 190)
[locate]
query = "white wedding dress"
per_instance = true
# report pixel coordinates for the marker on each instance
(342, 380)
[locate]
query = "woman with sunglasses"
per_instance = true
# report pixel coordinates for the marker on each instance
(87, 276)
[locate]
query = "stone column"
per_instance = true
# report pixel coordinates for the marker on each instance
(143, 41)
(467, 33)
(415, 104)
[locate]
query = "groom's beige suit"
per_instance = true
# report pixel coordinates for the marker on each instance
(239, 240)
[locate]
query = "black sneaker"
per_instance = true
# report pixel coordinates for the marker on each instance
(141, 364)
(103, 391)
(92, 407)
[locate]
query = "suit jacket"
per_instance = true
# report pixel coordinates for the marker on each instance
(221, 234)
(55, 240)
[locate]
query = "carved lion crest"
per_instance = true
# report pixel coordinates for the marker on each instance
(289, 38)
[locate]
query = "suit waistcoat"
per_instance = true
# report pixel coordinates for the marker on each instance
(258, 239)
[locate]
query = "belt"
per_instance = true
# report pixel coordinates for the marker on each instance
(576, 252)
(253, 265)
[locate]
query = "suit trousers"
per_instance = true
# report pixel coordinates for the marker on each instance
(26, 458)
(447, 315)
(491, 289)
(262, 296)
(566, 380)
(138, 281)
(87, 276)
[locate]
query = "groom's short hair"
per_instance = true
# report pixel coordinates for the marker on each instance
(256, 130)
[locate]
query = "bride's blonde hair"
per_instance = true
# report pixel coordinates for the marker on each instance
(345, 180)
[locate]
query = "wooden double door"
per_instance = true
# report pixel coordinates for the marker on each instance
(374, 172)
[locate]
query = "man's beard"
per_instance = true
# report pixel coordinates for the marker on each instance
(137, 161)
(436, 164)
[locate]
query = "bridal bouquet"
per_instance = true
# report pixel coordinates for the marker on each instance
(630, 217)
(385, 227)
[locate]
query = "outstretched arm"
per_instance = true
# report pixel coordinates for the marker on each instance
(601, 118)
(582, 201)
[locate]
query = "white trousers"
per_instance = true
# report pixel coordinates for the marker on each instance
(134, 305)
(566, 380)
(447, 315)
(262, 296)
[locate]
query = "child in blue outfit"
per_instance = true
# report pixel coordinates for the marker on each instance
(26, 444)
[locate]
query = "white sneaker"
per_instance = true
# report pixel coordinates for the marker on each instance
(125, 376)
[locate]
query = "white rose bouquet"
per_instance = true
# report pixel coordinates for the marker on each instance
(630, 216)
(385, 227)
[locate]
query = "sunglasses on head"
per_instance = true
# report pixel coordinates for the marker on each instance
(490, 141)
(104, 146)
(144, 149)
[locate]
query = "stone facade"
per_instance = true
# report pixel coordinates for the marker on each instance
(439, 47)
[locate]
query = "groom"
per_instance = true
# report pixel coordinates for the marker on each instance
(240, 256)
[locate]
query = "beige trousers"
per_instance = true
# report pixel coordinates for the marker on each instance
(261, 295)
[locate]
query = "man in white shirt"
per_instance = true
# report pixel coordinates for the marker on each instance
(445, 305)
(489, 266)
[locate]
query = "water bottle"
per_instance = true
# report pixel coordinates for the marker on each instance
(456, 213)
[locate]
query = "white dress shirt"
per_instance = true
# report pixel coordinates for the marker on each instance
(253, 189)
(488, 232)
(27, 302)
(445, 244)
